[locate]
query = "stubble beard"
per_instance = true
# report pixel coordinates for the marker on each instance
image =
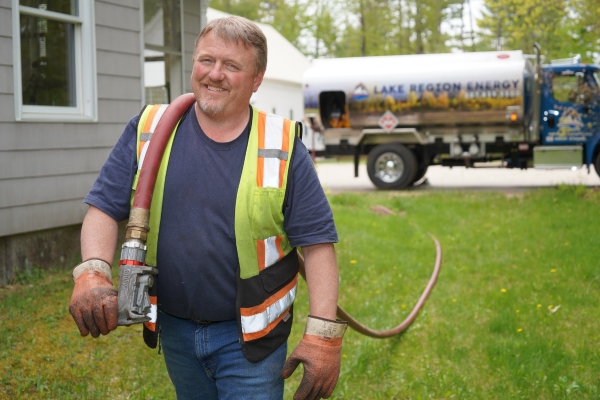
(210, 110)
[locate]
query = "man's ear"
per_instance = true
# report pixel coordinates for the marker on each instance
(258, 80)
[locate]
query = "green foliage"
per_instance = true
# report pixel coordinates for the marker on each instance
(353, 28)
(513, 314)
(29, 276)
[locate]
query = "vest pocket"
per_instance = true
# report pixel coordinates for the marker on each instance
(267, 216)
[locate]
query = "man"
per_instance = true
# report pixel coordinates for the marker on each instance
(211, 268)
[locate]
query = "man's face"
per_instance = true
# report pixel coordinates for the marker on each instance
(224, 76)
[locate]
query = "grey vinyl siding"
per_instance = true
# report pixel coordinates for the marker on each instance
(7, 108)
(37, 217)
(47, 168)
(35, 191)
(6, 21)
(5, 49)
(71, 136)
(6, 79)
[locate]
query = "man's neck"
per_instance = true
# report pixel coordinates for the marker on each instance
(222, 128)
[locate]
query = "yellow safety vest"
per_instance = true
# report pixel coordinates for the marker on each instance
(268, 275)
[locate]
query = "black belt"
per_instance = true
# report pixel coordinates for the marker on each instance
(196, 320)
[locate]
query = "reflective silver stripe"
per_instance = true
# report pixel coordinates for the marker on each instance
(146, 136)
(271, 251)
(273, 153)
(260, 321)
(152, 313)
(273, 143)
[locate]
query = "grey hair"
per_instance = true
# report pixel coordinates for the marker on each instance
(238, 29)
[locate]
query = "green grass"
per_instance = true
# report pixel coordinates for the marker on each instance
(491, 329)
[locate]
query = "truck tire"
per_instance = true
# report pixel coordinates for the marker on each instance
(392, 166)
(421, 171)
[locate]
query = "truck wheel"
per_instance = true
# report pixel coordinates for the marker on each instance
(391, 166)
(422, 170)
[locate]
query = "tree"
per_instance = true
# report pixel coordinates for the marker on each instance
(518, 24)
(244, 8)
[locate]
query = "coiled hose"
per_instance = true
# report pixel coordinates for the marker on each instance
(365, 330)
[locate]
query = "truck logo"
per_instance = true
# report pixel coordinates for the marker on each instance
(569, 123)
(360, 92)
(388, 121)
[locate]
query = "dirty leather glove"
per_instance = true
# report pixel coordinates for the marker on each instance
(320, 353)
(94, 300)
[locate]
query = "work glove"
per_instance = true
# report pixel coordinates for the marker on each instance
(94, 304)
(320, 353)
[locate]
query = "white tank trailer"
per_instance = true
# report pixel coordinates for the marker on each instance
(409, 112)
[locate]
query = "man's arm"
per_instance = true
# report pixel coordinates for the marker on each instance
(99, 234)
(320, 348)
(94, 300)
(322, 279)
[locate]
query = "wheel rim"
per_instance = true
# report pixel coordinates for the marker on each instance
(389, 167)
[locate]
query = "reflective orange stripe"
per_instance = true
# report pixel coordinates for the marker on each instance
(151, 115)
(260, 171)
(269, 328)
(247, 312)
(278, 241)
(285, 146)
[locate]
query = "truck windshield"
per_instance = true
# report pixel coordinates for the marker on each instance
(572, 88)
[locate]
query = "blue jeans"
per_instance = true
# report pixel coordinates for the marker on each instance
(205, 361)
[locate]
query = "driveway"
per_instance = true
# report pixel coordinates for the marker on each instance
(339, 176)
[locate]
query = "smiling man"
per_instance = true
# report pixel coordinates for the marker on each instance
(239, 196)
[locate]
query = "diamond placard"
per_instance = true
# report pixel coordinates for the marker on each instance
(388, 121)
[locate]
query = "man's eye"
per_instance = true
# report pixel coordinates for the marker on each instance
(232, 67)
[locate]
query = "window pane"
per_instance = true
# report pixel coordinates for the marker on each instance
(161, 76)
(162, 23)
(564, 88)
(60, 6)
(47, 62)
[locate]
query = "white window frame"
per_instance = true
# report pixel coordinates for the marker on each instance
(86, 98)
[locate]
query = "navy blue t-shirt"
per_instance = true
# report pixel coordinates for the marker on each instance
(197, 255)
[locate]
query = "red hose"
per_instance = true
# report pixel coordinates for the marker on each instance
(365, 330)
(156, 148)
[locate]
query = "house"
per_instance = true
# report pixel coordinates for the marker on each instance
(71, 77)
(72, 74)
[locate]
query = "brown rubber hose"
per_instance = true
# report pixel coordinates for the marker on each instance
(360, 328)
(156, 149)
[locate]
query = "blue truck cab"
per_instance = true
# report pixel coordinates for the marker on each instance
(570, 108)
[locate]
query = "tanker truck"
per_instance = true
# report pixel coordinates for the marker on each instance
(498, 108)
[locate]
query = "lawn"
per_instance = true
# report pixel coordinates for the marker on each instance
(514, 314)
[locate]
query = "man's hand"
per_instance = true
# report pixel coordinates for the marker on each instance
(94, 301)
(320, 353)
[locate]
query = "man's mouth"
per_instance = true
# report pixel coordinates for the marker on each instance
(215, 88)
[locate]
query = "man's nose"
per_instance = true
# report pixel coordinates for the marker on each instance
(216, 72)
